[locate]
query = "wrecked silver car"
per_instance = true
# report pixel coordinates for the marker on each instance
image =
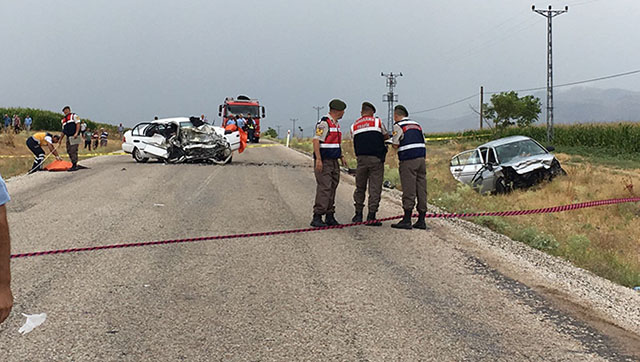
(177, 140)
(505, 164)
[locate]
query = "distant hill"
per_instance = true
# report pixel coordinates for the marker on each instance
(575, 105)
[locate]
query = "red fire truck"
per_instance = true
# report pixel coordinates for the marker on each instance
(242, 105)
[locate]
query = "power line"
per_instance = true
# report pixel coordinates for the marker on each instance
(504, 35)
(584, 2)
(533, 89)
(446, 105)
(576, 83)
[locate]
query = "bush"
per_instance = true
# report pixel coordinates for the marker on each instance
(577, 248)
(494, 223)
(537, 239)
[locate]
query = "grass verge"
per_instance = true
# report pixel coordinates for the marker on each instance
(15, 145)
(603, 240)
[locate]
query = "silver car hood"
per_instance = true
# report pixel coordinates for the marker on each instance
(523, 165)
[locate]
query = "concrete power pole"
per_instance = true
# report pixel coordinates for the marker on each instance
(293, 129)
(481, 106)
(390, 97)
(278, 127)
(549, 14)
(318, 108)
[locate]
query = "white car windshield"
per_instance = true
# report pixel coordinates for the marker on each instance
(519, 149)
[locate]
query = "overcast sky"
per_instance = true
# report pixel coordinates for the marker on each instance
(128, 60)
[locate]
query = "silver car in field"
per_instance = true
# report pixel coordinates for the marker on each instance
(505, 164)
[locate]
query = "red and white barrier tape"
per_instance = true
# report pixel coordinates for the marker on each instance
(548, 210)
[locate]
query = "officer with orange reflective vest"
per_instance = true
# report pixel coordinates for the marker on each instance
(408, 139)
(326, 152)
(35, 144)
(368, 134)
(71, 129)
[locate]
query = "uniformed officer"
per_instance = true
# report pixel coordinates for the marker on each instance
(326, 152)
(408, 139)
(368, 135)
(71, 129)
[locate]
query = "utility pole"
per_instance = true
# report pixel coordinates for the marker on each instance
(318, 108)
(481, 106)
(278, 127)
(294, 126)
(549, 14)
(390, 97)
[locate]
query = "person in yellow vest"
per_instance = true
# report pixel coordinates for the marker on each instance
(35, 144)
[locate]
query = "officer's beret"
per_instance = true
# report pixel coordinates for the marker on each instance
(338, 105)
(368, 105)
(402, 109)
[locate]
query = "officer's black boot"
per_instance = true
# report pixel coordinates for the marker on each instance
(330, 220)
(317, 221)
(420, 224)
(372, 216)
(405, 223)
(357, 217)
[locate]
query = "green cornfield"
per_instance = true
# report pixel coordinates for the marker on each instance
(618, 138)
(49, 121)
(623, 137)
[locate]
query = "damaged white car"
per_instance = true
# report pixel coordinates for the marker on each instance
(177, 140)
(505, 164)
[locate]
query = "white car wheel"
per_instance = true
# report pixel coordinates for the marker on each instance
(138, 157)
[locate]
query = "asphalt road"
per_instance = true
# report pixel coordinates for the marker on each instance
(356, 294)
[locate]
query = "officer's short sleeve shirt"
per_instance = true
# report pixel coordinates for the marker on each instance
(384, 129)
(397, 134)
(4, 194)
(322, 130)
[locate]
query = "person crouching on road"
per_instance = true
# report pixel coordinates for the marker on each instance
(71, 129)
(35, 144)
(408, 139)
(368, 135)
(326, 152)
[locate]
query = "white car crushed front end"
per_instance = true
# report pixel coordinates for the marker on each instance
(176, 140)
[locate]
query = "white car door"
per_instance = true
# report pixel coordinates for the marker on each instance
(464, 166)
(138, 135)
(233, 138)
(154, 146)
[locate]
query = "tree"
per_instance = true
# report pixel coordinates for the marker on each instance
(507, 109)
(271, 133)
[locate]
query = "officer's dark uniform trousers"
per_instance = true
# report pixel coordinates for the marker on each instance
(413, 169)
(368, 143)
(370, 170)
(413, 176)
(326, 184)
